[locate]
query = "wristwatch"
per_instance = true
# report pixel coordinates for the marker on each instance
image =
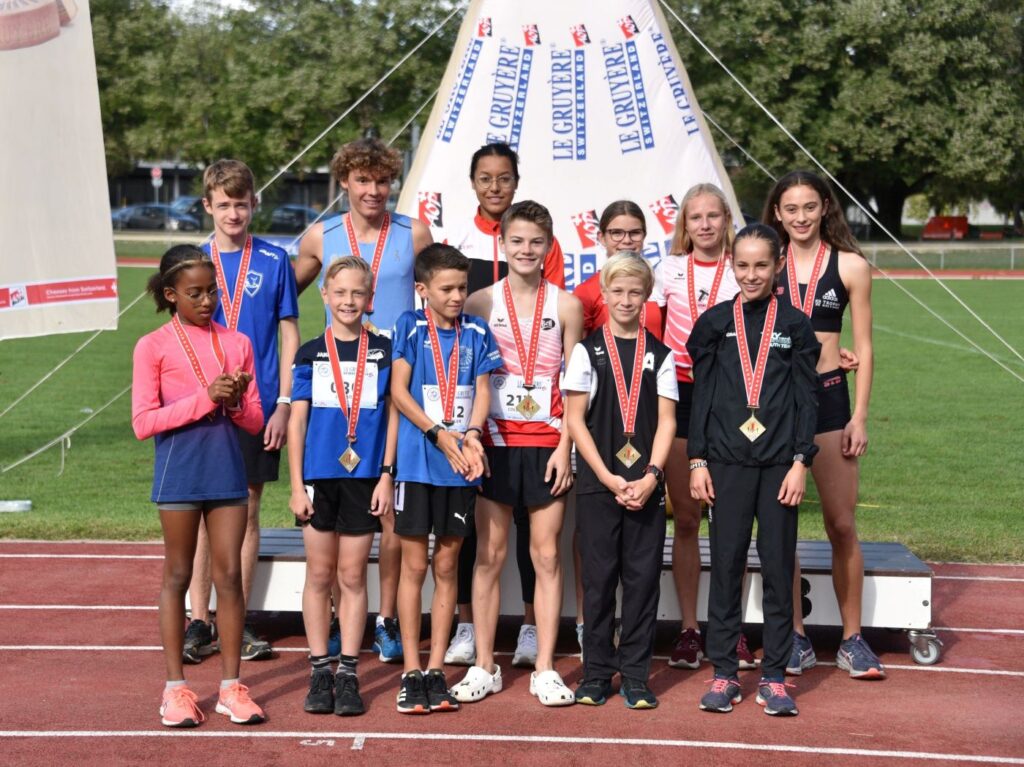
(388, 468)
(432, 432)
(801, 458)
(659, 475)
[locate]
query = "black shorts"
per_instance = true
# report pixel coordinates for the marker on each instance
(343, 506)
(683, 406)
(444, 511)
(260, 465)
(833, 401)
(517, 476)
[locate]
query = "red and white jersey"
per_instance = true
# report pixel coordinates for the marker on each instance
(506, 425)
(672, 291)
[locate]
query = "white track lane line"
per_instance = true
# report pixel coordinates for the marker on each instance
(519, 739)
(996, 578)
(81, 556)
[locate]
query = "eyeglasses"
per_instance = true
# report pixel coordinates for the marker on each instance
(503, 182)
(197, 296)
(618, 235)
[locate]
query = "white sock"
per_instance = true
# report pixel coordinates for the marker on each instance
(175, 683)
(225, 683)
(380, 620)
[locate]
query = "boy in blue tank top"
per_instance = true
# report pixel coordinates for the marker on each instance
(442, 363)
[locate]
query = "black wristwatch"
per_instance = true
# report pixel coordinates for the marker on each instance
(657, 472)
(432, 432)
(388, 468)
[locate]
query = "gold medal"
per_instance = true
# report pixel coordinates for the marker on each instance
(753, 376)
(349, 459)
(752, 428)
(628, 455)
(528, 407)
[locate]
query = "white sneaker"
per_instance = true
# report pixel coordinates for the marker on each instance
(526, 646)
(477, 684)
(550, 689)
(462, 650)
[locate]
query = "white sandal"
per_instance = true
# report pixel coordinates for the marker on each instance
(477, 684)
(550, 689)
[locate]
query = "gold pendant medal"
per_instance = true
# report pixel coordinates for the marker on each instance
(528, 407)
(628, 455)
(349, 459)
(752, 428)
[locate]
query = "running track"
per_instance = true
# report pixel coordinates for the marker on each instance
(82, 674)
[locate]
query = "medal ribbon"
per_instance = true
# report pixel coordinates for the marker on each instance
(527, 359)
(232, 302)
(352, 414)
(190, 351)
(628, 400)
(754, 377)
(378, 249)
(812, 284)
(446, 385)
(715, 284)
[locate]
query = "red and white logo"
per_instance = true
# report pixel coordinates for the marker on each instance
(531, 35)
(579, 35)
(483, 27)
(628, 27)
(666, 209)
(586, 227)
(19, 296)
(431, 211)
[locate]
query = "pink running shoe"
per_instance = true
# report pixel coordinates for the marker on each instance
(236, 703)
(180, 708)
(743, 654)
(687, 652)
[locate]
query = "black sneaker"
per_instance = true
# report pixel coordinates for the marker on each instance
(199, 642)
(254, 648)
(346, 696)
(637, 694)
(412, 695)
(438, 694)
(593, 692)
(320, 698)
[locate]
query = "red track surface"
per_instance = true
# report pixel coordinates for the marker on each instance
(110, 698)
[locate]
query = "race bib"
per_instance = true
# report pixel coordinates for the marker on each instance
(324, 394)
(434, 409)
(508, 393)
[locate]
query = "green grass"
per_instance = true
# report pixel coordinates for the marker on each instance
(942, 475)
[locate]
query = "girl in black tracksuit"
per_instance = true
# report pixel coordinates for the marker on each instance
(751, 441)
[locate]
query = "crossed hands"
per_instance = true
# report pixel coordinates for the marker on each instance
(228, 389)
(633, 495)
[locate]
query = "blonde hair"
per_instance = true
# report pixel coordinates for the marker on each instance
(681, 241)
(628, 263)
(355, 263)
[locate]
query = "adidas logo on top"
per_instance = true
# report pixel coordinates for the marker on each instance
(830, 295)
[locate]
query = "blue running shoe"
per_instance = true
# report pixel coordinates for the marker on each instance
(723, 694)
(772, 695)
(593, 692)
(334, 641)
(801, 657)
(387, 641)
(637, 694)
(858, 658)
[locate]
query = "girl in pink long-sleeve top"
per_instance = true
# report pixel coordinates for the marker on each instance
(190, 390)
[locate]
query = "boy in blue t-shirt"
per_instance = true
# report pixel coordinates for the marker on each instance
(341, 455)
(442, 360)
(256, 285)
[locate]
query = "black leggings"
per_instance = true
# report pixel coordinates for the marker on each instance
(527, 575)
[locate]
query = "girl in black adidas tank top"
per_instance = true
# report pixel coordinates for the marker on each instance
(826, 263)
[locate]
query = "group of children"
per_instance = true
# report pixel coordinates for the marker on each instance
(433, 424)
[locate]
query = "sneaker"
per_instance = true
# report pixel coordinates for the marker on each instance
(347, 701)
(199, 641)
(462, 650)
(412, 695)
(637, 694)
(526, 646)
(320, 698)
(438, 694)
(477, 684)
(254, 648)
(687, 652)
(579, 639)
(857, 657)
(594, 692)
(234, 701)
(550, 690)
(801, 657)
(776, 701)
(722, 696)
(334, 641)
(743, 655)
(180, 708)
(387, 641)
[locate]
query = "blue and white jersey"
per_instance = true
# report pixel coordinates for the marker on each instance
(327, 429)
(396, 286)
(269, 297)
(418, 459)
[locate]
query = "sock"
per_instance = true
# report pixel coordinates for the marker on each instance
(380, 620)
(174, 683)
(320, 662)
(225, 683)
(348, 664)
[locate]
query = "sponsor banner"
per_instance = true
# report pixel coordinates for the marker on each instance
(595, 99)
(57, 272)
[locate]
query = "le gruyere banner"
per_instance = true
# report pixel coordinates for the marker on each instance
(57, 271)
(594, 98)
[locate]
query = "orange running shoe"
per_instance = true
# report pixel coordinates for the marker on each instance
(180, 708)
(234, 701)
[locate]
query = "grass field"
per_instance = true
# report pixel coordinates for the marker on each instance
(943, 473)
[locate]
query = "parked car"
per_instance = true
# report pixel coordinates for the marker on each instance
(948, 228)
(292, 218)
(153, 216)
(189, 205)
